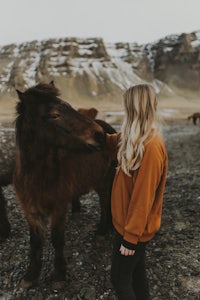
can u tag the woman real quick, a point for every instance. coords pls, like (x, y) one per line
(137, 192)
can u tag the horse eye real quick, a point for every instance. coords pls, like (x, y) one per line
(54, 116)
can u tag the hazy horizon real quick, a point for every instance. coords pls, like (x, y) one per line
(142, 21)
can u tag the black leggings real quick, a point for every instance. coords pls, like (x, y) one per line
(128, 273)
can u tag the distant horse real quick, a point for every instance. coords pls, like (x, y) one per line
(58, 158)
(194, 117)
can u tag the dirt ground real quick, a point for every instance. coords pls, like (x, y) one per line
(173, 256)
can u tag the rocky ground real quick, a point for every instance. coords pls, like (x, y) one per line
(173, 257)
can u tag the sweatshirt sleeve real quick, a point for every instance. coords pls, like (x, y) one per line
(144, 191)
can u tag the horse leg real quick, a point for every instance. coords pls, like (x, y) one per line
(76, 205)
(58, 241)
(4, 223)
(35, 263)
(194, 120)
(105, 223)
(105, 201)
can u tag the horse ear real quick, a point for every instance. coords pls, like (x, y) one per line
(52, 83)
(20, 94)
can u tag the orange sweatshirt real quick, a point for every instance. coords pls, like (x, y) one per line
(136, 201)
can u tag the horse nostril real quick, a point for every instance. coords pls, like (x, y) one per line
(100, 137)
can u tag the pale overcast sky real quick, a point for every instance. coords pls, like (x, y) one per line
(138, 21)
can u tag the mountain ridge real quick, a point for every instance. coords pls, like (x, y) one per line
(92, 69)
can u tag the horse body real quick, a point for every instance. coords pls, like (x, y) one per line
(46, 188)
(99, 177)
(195, 117)
(57, 149)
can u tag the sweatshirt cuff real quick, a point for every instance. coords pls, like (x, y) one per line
(130, 238)
(129, 245)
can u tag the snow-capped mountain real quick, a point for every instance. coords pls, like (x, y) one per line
(92, 68)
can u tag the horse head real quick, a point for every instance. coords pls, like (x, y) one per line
(44, 118)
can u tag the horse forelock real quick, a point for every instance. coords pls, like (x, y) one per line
(43, 89)
(42, 92)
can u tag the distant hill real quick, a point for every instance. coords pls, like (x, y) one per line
(92, 69)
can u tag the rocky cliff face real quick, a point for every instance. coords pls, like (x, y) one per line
(175, 60)
(90, 68)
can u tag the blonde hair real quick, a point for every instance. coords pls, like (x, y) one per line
(140, 122)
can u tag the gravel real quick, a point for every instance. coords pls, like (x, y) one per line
(173, 261)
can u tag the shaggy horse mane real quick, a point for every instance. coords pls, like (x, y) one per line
(43, 88)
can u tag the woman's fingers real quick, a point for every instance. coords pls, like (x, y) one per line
(125, 251)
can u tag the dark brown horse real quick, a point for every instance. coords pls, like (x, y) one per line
(5, 179)
(4, 224)
(58, 158)
(104, 193)
(105, 213)
(194, 117)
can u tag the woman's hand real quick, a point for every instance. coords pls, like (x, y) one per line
(125, 251)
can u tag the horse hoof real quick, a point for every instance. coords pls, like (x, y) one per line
(58, 285)
(24, 284)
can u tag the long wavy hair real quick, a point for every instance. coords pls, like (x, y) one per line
(140, 123)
